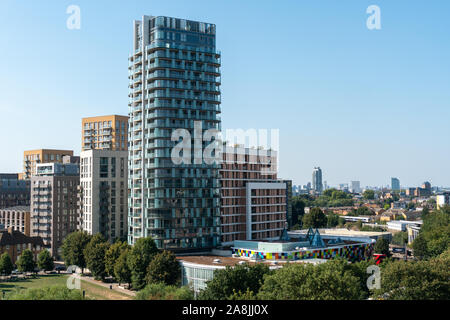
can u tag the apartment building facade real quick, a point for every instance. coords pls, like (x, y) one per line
(13, 191)
(254, 203)
(104, 133)
(33, 157)
(17, 218)
(174, 84)
(104, 200)
(54, 203)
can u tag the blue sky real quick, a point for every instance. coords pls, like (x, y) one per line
(361, 104)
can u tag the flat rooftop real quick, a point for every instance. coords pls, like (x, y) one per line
(232, 261)
(343, 232)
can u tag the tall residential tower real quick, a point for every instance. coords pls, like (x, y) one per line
(317, 180)
(174, 84)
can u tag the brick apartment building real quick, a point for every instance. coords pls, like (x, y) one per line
(254, 204)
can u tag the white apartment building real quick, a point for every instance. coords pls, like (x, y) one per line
(103, 179)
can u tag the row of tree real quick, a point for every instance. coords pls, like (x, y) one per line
(26, 262)
(333, 280)
(139, 265)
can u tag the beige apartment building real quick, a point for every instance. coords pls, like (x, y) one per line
(17, 218)
(104, 200)
(104, 133)
(254, 205)
(33, 157)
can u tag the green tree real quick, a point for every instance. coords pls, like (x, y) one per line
(229, 282)
(333, 220)
(26, 262)
(161, 291)
(298, 209)
(73, 248)
(332, 280)
(6, 265)
(112, 254)
(121, 271)
(165, 268)
(314, 219)
(382, 246)
(364, 211)
(139, 258)
(45, 261)
(415, 280)
(369, 194)
(94, 255)
(434, 237)
(420, 248)
(400, 238)
(247, 295)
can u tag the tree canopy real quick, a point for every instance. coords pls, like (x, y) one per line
(237, 280)
(6, 265)
(94, 255)
(165, 268)
(73, 248)
(314, 219)
(26, 261)
(332, 280)
(45, 261)
(139, 258)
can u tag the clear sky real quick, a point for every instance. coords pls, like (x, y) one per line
(361, 104)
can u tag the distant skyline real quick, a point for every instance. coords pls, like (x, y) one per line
(362, 104)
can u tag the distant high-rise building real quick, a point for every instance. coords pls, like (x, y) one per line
(395, 184)
(174, 81)
(105, 133)
(355, 187)
(54, 203)
(33, 157)
(317, 185)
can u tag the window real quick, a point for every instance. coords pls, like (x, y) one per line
(103, 167)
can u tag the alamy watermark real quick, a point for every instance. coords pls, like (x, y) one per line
(74, 280)
(374, 281)
(74, 20)
(374, 20)
(208, 146)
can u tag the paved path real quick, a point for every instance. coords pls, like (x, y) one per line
(115, 286)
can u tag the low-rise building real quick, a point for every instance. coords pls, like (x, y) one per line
(17, 218)
(401, 225)
(393, 214)
(14, 242)
(442, 200)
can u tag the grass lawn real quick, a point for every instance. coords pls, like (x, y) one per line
(40, 281)
(93, 291)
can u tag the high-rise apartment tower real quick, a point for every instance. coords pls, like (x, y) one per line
(174, 84)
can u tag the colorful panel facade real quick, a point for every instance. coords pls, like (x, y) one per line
(351, 252)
